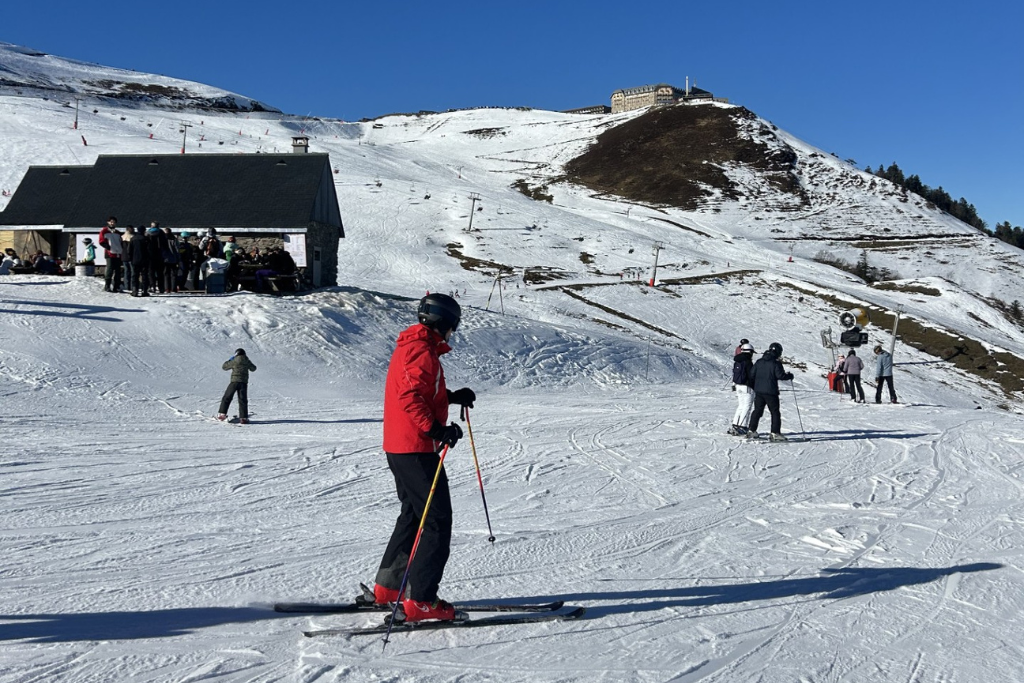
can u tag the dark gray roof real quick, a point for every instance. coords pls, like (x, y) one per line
(277, 192)
(46, 195)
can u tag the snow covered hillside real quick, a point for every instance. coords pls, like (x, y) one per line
(25, 72)
(144, 541)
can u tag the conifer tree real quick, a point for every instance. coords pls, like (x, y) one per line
(862, 269)
(895, 174)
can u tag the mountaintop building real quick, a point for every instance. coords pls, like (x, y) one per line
(656, 95)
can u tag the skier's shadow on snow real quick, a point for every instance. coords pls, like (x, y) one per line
(164, 623)
(833, 584)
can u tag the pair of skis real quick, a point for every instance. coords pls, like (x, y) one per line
(523, 614)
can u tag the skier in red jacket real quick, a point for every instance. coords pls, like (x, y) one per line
(415, 412)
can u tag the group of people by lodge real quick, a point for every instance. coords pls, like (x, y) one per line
(144, 260)
(155, 260)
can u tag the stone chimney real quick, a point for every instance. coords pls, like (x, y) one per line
(300, 144)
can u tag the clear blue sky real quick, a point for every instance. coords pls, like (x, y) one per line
(936, 86)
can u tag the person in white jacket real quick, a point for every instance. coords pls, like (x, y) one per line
(742, 366)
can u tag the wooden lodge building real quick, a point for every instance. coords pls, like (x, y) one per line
(267, 199)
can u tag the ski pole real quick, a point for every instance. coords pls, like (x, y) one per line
(803, 434)
(415, 545)
(472, 445)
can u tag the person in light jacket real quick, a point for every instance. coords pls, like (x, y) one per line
(240, 367)
(742, 369)
(852, 367)
(883, 374)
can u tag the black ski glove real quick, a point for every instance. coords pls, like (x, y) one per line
(788, 377)
(462, 397)
(449, 435)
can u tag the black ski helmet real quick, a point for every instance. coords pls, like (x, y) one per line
(439, 312)
(776, 348)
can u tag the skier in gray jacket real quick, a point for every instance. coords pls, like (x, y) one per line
(240, 367)
(883, 374)
(852, 366)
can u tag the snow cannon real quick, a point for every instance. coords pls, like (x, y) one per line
(855, 317)
(852, 320)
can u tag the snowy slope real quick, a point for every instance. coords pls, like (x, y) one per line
(25, 72)
(144, 541)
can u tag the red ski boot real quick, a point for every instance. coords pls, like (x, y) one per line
(437, 610)
(384, 596)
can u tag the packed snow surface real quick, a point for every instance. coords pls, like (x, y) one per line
(145, 541)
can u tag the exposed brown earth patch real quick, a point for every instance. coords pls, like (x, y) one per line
(672, 156)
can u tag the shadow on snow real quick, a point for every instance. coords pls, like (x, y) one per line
(165, 623)
(832, 584)
(80, 311)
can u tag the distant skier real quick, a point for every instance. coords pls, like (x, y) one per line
(883, 374)
(240, 367)
(764, 380)
(416, 404)
(742, 368)
(852, 367)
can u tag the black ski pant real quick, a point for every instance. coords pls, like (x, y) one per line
(140, 279)
(772, 402)
(854, 387)
(242, 389)
(112, 274)
(414, 475)
(196, 272)
(879, 381)
(129, 274)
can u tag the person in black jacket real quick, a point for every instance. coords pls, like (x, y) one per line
(156, 241)
(764, 380)
(138, 253)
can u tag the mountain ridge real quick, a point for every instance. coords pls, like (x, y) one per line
(404, 183)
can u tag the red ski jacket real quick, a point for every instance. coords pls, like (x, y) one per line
(415, 393)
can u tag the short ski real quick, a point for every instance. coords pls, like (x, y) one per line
(439, 625)
(346, 607)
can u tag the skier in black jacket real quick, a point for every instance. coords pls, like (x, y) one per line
(764, 380)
